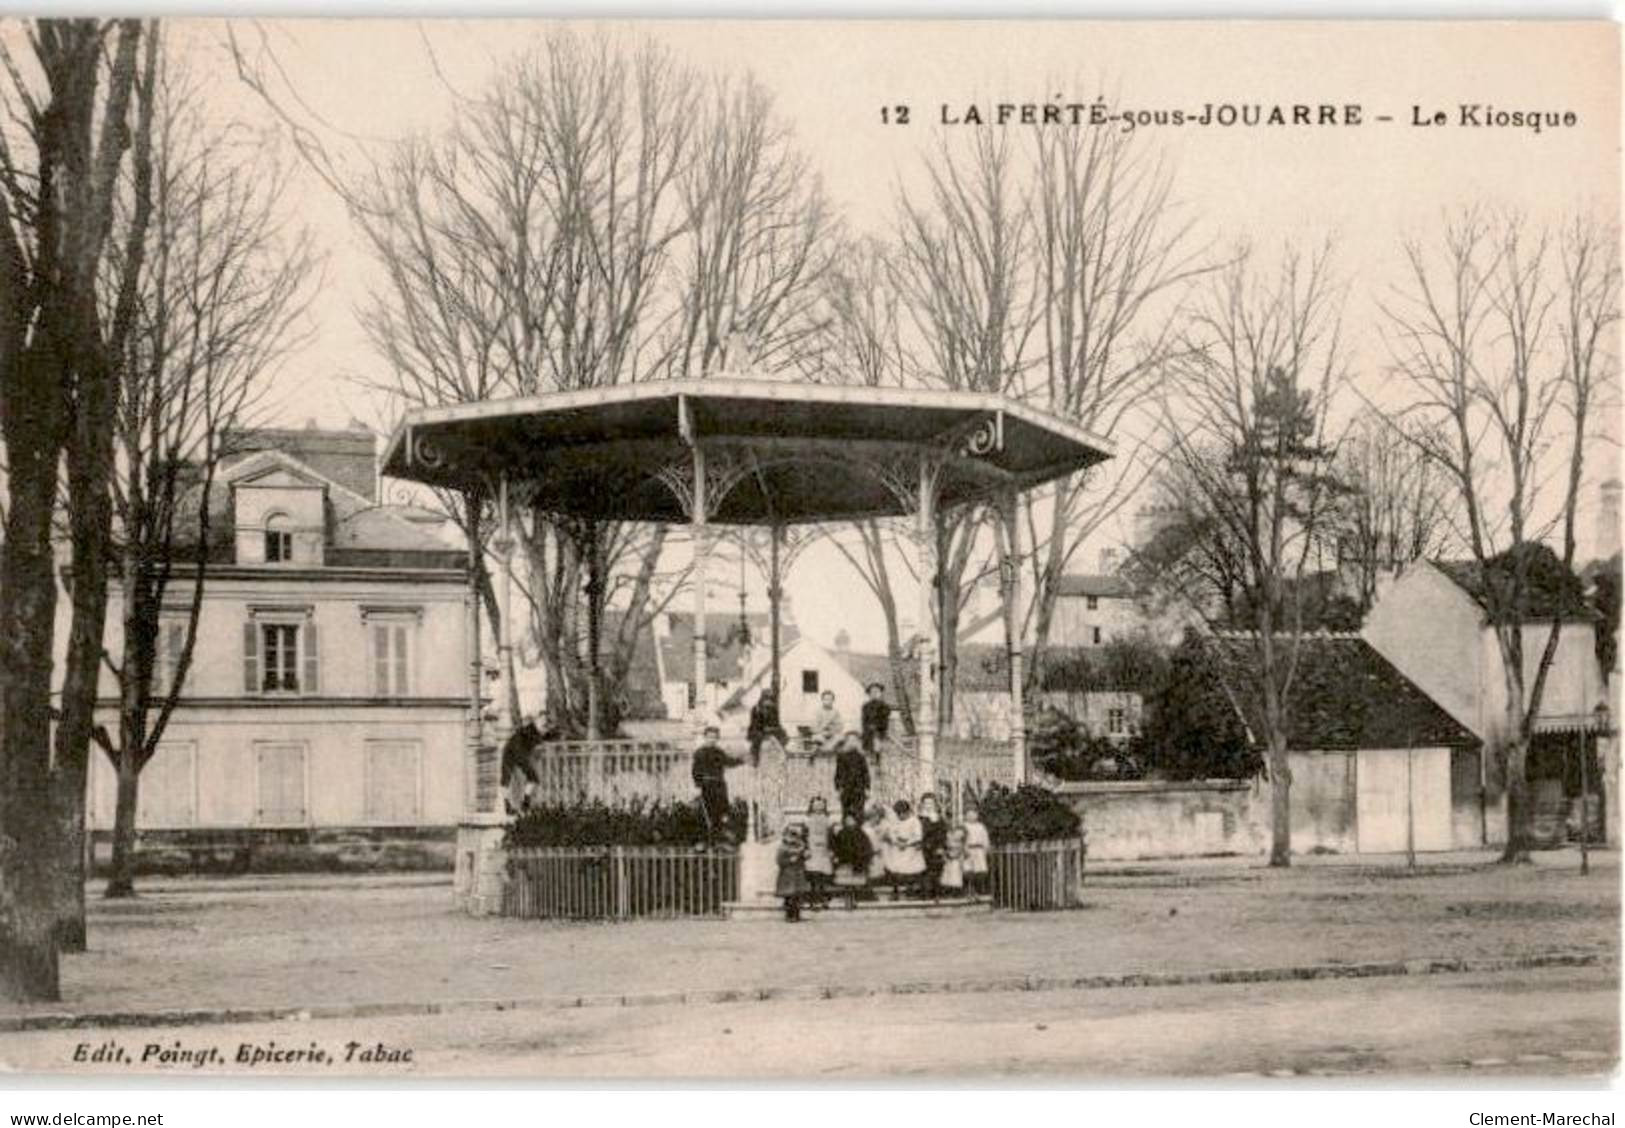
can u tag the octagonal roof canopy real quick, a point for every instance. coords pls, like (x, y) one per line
(774, 452)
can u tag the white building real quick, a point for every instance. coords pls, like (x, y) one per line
(1432, 625)
(325, 710)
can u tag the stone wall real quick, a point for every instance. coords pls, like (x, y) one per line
(368, 849)
(1214, 818)
(1135, 820)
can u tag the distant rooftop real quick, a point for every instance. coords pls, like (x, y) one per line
(1344, 695)
(1095, 584)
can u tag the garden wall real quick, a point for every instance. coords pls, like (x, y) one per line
(1133, 820)
(1208, 818)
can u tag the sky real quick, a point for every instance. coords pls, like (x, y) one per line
(362, 84)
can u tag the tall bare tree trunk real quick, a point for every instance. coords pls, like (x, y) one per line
(90, 519)
(1519, 812)
(1280, 802)
(28, 953)
(121, 880)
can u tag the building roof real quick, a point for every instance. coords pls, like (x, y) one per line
(869, 668)
(360, 532)
(1553, 590)
(724, 651)
(1098, 585)
(1345, 695)
(348, 457)
(777, 452)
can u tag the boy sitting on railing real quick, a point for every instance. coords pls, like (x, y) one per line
(827, 726)
(764, 724)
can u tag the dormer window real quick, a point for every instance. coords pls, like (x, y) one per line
(278, 539)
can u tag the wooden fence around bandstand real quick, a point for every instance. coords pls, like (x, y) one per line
(1030, 876)
(619, 882)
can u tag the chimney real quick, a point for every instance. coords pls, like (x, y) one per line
(1108, 560)
(843, 641)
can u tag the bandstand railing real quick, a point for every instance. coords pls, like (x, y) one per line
(618, 882)
(782, 781)
(613, 771)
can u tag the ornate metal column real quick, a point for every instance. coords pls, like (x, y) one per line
(775, 597)
(503, 544)
(930, 581)
(1010, 582)
(475, 736)
(699, 523)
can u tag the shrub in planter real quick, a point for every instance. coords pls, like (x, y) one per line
(635, 823)
(1027, 814)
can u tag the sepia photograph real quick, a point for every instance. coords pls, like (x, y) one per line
(903, 552)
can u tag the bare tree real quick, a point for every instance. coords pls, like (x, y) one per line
(90, 466)
(963, 268)
(1261, 361)
(1395, 510)
(756, 242)
(524, 251)
(860, 341)
(221, 297)
(1111, 259)
(1504, 336)
(1049, 273)
(597, 216)
(70, 96)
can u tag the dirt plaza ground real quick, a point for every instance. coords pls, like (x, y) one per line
(375, 942)
(1477, 1030)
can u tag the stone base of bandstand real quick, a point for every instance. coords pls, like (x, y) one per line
(481, 864)
(758, 870)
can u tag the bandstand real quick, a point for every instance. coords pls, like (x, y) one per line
(718, 453)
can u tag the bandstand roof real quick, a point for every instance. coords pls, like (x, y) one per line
(792, 453)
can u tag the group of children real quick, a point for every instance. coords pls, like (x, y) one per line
(920, 852)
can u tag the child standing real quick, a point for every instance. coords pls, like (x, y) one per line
(852, 854)
(820, 863)
(905, 861)
(933, 841)
(953, 863)
(874, 828)
(791, 883)
(976, 849)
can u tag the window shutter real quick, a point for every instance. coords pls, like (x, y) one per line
(312, 681)
(282, 783)
(380, 660)
(251, 658)
(403, 684)
(392, 782)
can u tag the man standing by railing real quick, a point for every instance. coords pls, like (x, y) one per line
(711, 766)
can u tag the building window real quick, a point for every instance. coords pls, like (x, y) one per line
(280, 656)
(281, 649)
(280, 783)
(1117, 721)
(278, 539)
(392, 791)
(391, 658)
(1093, 602)
(809, 681)
(1095, 634)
